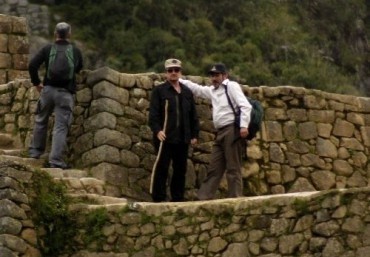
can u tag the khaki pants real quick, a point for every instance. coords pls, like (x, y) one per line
(226, 157)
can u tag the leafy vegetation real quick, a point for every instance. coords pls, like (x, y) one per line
(95, 222)
(311, 43)
(55, 224)
(301, 206)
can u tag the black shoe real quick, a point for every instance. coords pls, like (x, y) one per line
(55, 166)
(33, 156)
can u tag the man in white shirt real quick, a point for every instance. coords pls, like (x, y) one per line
(228, 145)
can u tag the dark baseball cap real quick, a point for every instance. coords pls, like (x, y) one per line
(218, 68)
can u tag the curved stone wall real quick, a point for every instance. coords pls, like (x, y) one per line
(311, 140)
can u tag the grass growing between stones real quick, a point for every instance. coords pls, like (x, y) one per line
(301, 206)
(95, 222)
(55, 225)
(347, 198)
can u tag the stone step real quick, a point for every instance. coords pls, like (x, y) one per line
(59, 173)
(12, 152)
(35, 163)
(87, 185)
(87, 207)
(94, 199)
(6, 141)
(77, 181)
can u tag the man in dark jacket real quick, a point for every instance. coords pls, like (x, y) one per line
(174, 122)
(56, 94)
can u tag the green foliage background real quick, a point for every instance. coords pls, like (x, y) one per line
(318, 44)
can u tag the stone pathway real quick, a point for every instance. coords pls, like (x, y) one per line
(79, 184)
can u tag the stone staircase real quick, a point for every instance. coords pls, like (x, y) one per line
(88, 190)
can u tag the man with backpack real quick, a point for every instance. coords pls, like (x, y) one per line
(228, 146)
(62, 61)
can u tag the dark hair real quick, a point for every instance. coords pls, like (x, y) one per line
(62, 29)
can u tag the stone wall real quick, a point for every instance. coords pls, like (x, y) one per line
(14, 48)
(17, 233)
(325, 224)
(311, 140)
(36, 15)
(311, 224)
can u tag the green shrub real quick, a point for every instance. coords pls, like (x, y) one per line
(55, 224)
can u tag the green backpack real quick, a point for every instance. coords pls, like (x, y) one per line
(61, 63)
(256, 116)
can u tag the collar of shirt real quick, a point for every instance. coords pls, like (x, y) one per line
(225, 82)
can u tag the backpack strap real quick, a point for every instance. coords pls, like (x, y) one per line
(71, 62)
(230, 103)
(52, 54)
(237, 123)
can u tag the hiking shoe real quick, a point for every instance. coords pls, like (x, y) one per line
(34, 156)
(55, 166)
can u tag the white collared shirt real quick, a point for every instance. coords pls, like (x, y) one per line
(222, 113)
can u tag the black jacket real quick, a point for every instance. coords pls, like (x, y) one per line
(189, 125)
(43, 57)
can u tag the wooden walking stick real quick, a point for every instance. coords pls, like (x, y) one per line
(160, 147)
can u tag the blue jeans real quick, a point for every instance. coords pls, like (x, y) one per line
(60, 102)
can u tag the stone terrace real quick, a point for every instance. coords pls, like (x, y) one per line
(307, 176)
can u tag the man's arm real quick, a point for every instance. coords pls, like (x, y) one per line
(198, 90)
(194, 125)
(155, 112)
(79, 60)
(35, 63)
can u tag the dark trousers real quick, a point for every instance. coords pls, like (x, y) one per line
(177, 153)
(226, 157)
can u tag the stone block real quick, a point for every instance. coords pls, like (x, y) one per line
(104, 73)
(101, 154)
(20, 61)
(5, 24)
(3, 76)
(5, 61)
(18, 44)
(109, 90)
(19, 25)
(3, 43)
(17, 74)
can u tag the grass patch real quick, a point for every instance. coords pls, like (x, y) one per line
(56, 226)
(95, 222)
(301, 206)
